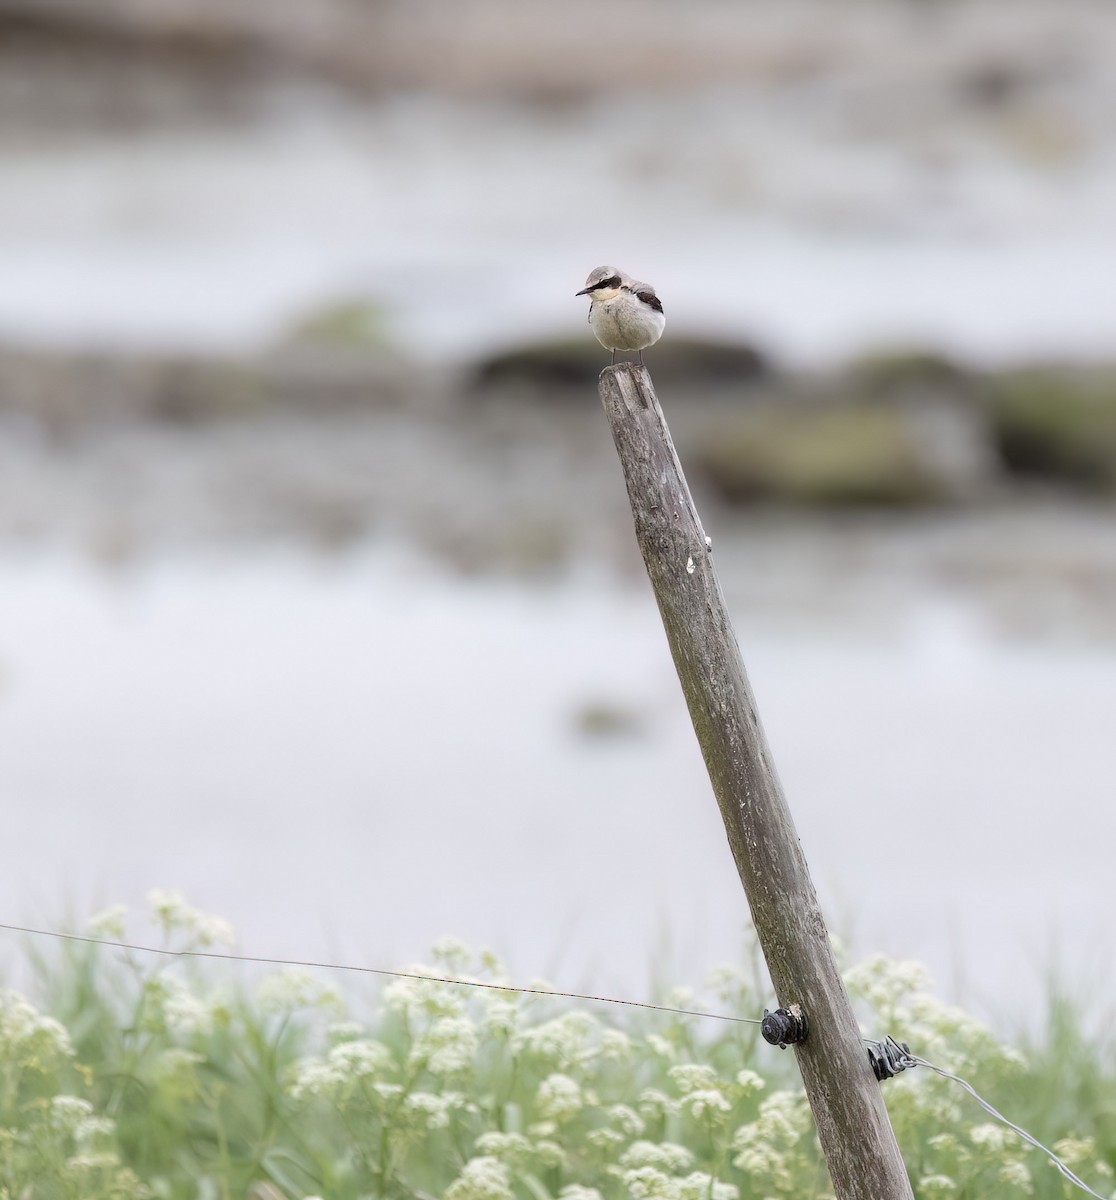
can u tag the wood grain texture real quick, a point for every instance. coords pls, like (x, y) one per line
(856, 1136)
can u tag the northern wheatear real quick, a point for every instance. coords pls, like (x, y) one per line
(625, 314)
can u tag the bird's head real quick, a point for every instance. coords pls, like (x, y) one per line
(603, 283)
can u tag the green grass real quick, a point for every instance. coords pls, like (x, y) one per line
(137, 1075)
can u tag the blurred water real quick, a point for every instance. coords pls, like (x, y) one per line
(350, 757)
(799, 217)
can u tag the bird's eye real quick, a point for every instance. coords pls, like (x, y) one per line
(613, 281)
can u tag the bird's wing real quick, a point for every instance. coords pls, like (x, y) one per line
(646, 293)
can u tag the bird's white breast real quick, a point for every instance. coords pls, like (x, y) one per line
(625, 323)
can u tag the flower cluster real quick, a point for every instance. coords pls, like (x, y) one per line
(291, 1089)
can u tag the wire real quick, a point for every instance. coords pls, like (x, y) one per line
(328, 966)
(1065, 1170)
(896, 1059)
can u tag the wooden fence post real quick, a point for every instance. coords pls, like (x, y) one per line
(855, 1133)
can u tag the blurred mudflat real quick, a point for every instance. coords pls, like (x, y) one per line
(354, 754)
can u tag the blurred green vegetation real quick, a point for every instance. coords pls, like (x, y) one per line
(1058, 424)
(846, 455)
(357, 323)
(154, 1076)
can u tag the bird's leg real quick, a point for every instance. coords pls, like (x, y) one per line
(641, 358)
(614, 358)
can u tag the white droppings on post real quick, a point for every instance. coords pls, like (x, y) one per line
(690, 565)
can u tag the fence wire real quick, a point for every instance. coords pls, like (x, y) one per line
(907, 1059)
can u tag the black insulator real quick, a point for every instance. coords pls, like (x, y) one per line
(889, 1057)
(785, 1026)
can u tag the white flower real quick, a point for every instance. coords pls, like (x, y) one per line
(314, 1078)
(888, 986)
(575, 1191)
(293, 988)
(452, 954)
(447, 1047)
(625, 1119)
(109, 923)
(564, 1041)
(660, 1046)
(705, 1100)
(483, 1178)
(415, 998)
(761, 1145)
(749, 1082)
(500, 1017)
(700, 1186)
(656, 1103)
(170, 910)
(994, 1137)
(94, 1132)
(1075, 1151)
(67, 1112)
(1016, 1174)
(28, 1038)
(785, 1114)
(757, 1158)
(359, 1059)
(608, 1141)
(936, 1185)
(689, 1077)
(434, 1110)
(184, 1012)
(104, 1160)
(559, 1097)
(550, 1154)
(698, 1084)
(615, 1045)
(664, 1156)
(511, 1148)
(646, 1183)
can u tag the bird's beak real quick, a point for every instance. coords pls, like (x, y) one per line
(585, 291)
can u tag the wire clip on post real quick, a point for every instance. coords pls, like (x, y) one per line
(889, 1057)
(785, 1026)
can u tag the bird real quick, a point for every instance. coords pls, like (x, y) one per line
(625, 314)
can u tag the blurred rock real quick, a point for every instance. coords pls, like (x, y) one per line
(559, 367)
(895, 428)
(70, 390)
(942, 410)
(906, 372)
(1058, 424)
(837, 454)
